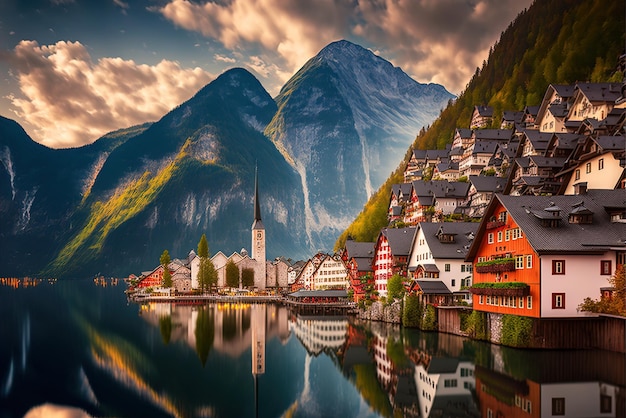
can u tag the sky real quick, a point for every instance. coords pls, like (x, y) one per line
(73, 70)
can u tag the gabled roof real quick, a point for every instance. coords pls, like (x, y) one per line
(402, 189)
(363, 263)
(463, 132)
(600, 92)
(566, 238)
(433, 287)
(426, 191)
(360, 249)
(484, 147)
(611, 143)
(485, 111)
(493, 134)
(548, 162)
(484, 184)
(463, 232)
(539, 140)
(399, 239)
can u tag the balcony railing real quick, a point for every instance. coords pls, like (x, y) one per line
(495, 224)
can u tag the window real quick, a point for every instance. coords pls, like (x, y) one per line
(502, 216)
(507, 235)
(606, 404)
(490, 238)
(605, 267)
(462, 268)
(529, 302)
(529, 261)
(453, 282)
(481, 299)
(499, 236)
(521, 302)
(600, 163)
(447, 267)
(519, 262)
(558, 406)
(577, 174)
(588, 168)
(558, 266)
(558, 301)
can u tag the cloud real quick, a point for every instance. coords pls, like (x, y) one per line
(70, 100)
(439, 41)
(289, 33)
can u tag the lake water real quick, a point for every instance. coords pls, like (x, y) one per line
(72, 349)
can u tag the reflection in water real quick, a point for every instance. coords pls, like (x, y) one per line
(84, 348)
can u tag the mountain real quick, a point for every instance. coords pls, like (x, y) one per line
(320, 147)
(549, 43)
(187, 174)
(341, 120)
(40, 189)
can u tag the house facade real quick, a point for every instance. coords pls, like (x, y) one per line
(438, 254)
(558, 249)
(391, 254)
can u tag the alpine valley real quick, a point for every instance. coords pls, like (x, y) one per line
(321, 148)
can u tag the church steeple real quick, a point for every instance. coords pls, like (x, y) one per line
(258, 238)
(257, 224)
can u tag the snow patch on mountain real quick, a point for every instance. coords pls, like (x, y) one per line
(7, 162)
(92, 174)
(27, 204)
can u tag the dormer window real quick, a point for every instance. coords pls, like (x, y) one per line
(580, 214)
(444, 237)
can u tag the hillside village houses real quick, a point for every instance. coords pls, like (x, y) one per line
(541, 198)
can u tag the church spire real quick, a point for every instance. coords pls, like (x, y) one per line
(257, 206)
(257, 224)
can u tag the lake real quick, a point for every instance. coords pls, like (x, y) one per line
(79, 348)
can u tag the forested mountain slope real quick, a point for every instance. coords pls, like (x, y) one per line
(549, 43)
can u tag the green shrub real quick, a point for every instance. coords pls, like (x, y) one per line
(476, 325)
(516, 331)
(430, 319)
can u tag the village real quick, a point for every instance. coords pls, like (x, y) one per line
(527, 218)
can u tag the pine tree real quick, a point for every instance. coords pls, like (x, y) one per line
(167, 276)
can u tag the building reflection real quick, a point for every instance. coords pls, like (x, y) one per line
(405, 372)
(319, 333)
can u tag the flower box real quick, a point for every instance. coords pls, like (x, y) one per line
(495, 224)
(501, 289)
(499, 265)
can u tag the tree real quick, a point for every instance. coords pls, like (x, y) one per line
(395, 287)
(167, 276)
(232, 274)
(616, 303)
(204, 270)
(203, 247)
(247, 277)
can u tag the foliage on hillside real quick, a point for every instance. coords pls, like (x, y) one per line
(550, 43)
(105, 217)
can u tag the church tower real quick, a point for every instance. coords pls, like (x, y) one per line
(258, 239)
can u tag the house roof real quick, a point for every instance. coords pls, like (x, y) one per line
(399, 239)
(548, 162)
(528, 212)
(363, 263)
(486, 111)
(493, 134)
(600, 92)
(433, 287)
(484, 147)
(463, 232)
(611, 143)
(426, 190)
(484, 184)
(360, 249)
